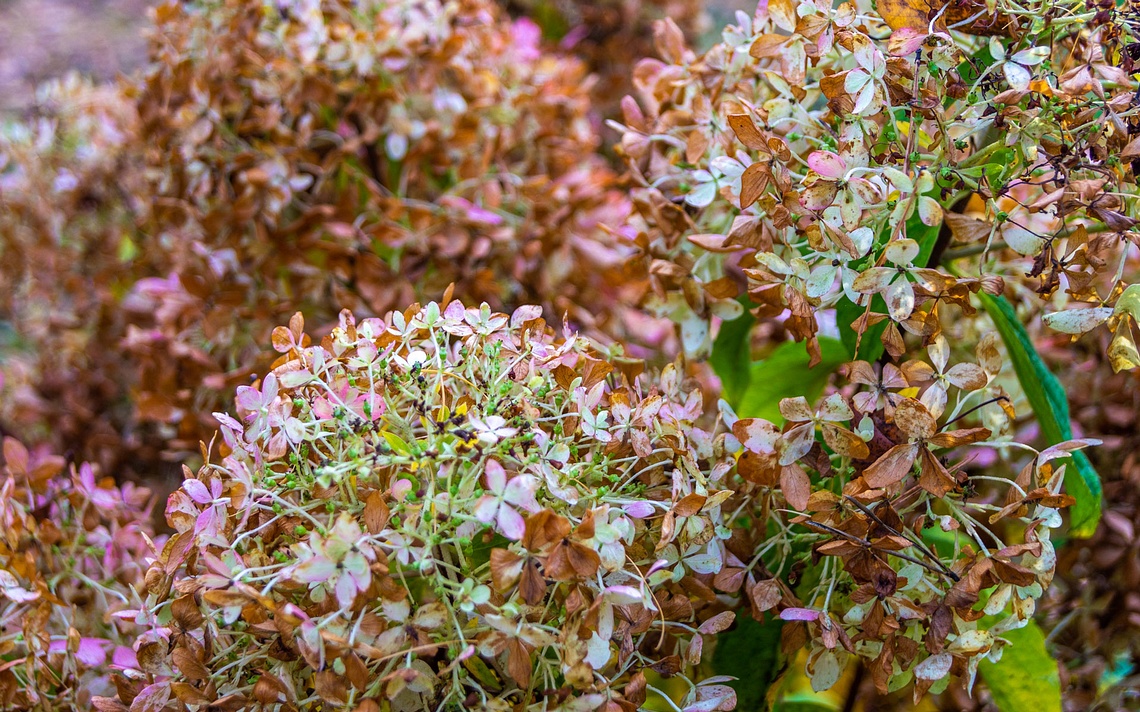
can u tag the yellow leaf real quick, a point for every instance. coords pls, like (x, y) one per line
(1122, 352)
(917, 14)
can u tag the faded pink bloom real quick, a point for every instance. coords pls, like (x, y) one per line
(498, 505)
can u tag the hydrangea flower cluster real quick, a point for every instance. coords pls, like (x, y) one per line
(881, 165)
(72, 546)
(610, 36)
(296, 155)
(359, 157)
(900, 556)
(69, 188)
(863, 177)
(446, 508)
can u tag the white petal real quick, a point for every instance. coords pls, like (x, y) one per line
(821, 280)
(1077, 321)
(935, 667)
(855, 80)
(1022, 241)
(1017, 76)
(866, 96)
(902, 252)
(702, 195)
(900, 299)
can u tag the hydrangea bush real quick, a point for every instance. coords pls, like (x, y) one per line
(69, 194)
(447, 508)
(874, 182)
(868, 218)
(72, 547)
(883, 165)
(316, 155)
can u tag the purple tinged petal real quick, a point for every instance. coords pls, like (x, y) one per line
(496, 477)
(248, 398)
(124, 658)
(485, 508)
(511, 523)
(799, 614)
(520, 492)
(92, 652)
(638, 510)
(197, 491)
(269, 388)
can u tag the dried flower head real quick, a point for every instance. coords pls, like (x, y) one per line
(448, 507)
(72, 544)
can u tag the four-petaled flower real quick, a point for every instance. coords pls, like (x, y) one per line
(895, 282)
(338, 561)
(257, 405)
(492, 429)
(966, 376)
(797, 441)
(498, 504)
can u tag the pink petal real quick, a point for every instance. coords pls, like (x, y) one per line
(92, 651)
(315, 570)
(511, 523)
(638, 510)
(197, 491)
(496, 477)
(520, 492)
(827, 164)
(799, 614)
(485, 508)
(345, 590)
(124, 658)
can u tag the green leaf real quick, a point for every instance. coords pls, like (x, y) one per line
(1026, 676)
(1047, 398)
(871, 344)
(750, 652)
(785, 374)
(804, 702)
(732, 355)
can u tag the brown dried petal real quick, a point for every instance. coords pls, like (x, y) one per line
(892, 467)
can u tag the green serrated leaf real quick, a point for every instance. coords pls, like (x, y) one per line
(750, 652)
(1050, 405)
(871, 344)
(732, 356)
(785, 374)
(1026, 676)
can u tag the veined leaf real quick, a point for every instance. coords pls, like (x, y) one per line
(785, 374)
(732, 356)
(1026, 676)
(1047, 398)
